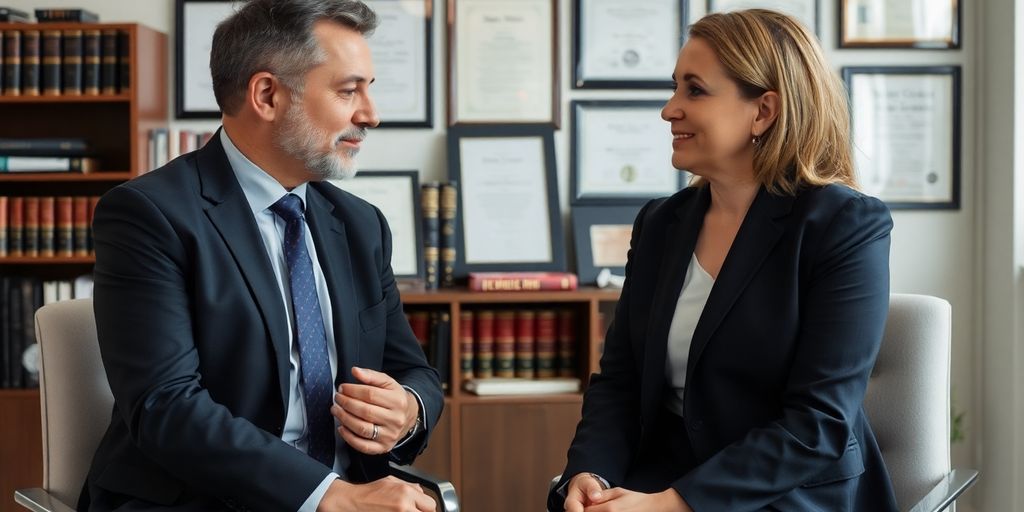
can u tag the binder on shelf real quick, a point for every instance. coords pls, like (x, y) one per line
(507, 387)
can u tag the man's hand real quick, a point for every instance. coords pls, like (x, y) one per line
(584, 490)
(623, 500)
(376, 414)
(385, 495)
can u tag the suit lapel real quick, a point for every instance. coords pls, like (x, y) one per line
(331, 241)
(230, 214)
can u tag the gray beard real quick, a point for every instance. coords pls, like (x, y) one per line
(301, 140)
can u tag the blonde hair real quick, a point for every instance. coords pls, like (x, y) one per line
(763, 50)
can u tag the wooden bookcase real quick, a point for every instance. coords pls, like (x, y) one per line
(116, 129)
(501, 452)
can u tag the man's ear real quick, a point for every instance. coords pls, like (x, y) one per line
(768, 107)
(265, 96)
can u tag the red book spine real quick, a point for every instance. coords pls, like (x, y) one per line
(30, 236)
(65, 247)
(521, 281)
(16, 221)
(484, 341)
(3, 229)
(80, 225)
(420, 323)
(547, 326)
(505, 344)
(466, 344)
(46, 227)
(566, 343)
(525, 344)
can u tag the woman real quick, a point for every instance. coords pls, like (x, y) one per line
(754, 302)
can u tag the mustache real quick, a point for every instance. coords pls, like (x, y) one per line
(357, 134)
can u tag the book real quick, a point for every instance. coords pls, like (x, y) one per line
(15, 332)
(43, 147)
(3, 230)
(12, 63)
(62, 15)
(124, 62)
(2, 67)
(93, 201)
(419, 321)
(47, 209)
(521, 281)
(91, 62)
(82, 287)
(5, 332)
(447, 213)
(526, 343)
(12, 15)
(51, 62)
(108, 61)
(483, 343)
(15, 225)
(440, 346)
(47, 164)
(63, 239)
(547, 348)
(566, 342)
(30, 235)
(429, 203)
(80, 225)
(71, 63)
(30, 62)
(505, 387)
(466, 344)
(505, 344)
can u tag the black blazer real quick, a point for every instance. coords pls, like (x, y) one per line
(194, 339)
(779, 361)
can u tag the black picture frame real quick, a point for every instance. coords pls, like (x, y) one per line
(428, 80)
(951, 199)
(584, 219)
(576, 168)
(846, 40)
(748, 4)
(411, 226)
(580, 81)
(183, 61)
(458, 172)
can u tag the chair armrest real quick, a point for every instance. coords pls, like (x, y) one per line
(442, 491)
(946, 491)
(38, 500)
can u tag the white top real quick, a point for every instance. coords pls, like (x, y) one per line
(696, 288)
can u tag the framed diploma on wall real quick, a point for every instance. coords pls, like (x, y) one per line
(601, 235)
(503, 62)
(621, 153)
(899, 24)
(397, 195)
(194, 24)
(627, 45)
(508, 215)
(401, 48)
(804, 10)
(906, 134)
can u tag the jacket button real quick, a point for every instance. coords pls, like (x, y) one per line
(696, 425)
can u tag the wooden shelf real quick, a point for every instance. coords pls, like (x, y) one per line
(558, 398)
(8, 393)
(101, 98)
(57, 260)
(65, 176)
(417, 295)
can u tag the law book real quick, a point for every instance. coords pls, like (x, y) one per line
(16, 226)
(419, 321)
(506, 387)
(3, 228)
(521, 281)
(466, 344)
(12, 63)
(30, 234)
(30, 48)
(2, 67)
(124, 62)
(83, 164)
(71, 63)
(80, 225)
(483, 344)
(547, 344)
(566, 343)
(526, 342)
(12, 15)
(51, 69)
(505, 344)
(93, 201)
(5, 332)
(47, 247)
(440, 346)
(65, 15)
(91, 62)
(16, 331)
(43, 147)
(108, 61)
(429, 202)
(447, 213)
(65, 227)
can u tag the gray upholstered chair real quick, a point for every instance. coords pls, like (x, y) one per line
(76, 402)
(907, 404)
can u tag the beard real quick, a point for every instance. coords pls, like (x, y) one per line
(303, 141)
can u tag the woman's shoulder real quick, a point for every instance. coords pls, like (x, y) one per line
(835, 198)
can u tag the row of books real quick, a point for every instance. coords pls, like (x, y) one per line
(166, 144)
(439, 202)
(20, 297)
(12, 15)
(37, 61)
(46, 227)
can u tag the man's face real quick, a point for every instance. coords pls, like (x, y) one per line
(324, 125)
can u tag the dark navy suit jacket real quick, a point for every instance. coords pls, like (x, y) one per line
(194, 338)
(779, 361)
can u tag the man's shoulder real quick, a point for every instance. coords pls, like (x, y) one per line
(175, 180)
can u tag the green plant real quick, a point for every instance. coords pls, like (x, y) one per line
(956, 431)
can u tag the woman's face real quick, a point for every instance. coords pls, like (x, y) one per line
(712, 124)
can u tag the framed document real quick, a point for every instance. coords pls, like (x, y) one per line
(602, 234)
(621, 153)
(906, 134)
(401, 48)
(503, 62)
(899, 24)
(194, 24)
(627, 45)
(509, 217)
(804, 10)
(397, 195)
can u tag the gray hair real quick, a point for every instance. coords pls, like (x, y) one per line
(276, 36)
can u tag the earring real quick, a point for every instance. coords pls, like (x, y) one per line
(755, 140)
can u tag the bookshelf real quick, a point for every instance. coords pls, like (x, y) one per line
(116, 129)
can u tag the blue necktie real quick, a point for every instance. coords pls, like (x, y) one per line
(317, 385)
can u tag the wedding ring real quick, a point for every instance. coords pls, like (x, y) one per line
(376, 432)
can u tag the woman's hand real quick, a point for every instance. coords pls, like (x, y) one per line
(623, 500)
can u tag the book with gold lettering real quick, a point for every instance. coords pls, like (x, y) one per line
(522, 281)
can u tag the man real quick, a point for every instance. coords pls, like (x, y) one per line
(247, 313)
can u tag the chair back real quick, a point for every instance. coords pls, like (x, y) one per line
(74, 395)
(907, 401)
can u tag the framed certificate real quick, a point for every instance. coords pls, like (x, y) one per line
(627, 45)
(401, 48)
(503, 62)
(906, 134)
(194, 24)
(508, 217)
(621, 153)
(601, 235)
(397, 195)
(899, 24)
(804, 10)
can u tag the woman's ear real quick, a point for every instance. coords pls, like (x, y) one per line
(768, 107)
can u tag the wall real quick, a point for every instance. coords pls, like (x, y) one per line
(933, 251)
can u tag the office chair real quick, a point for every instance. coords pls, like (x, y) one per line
(907, 404)
(73, 387)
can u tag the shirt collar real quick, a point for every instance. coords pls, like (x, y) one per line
(261, 189)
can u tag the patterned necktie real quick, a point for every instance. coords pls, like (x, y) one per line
(317, 385)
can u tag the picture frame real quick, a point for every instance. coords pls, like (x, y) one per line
(894, 24)
(621, 153)
(906, 130)
(601, 235)
(509, 217)
(402, 48)
(194, 24)
(397, 195)
(633, 45)
(807, 11)
(503, 64)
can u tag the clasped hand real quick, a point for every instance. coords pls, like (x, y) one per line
(376, 414)
(586, 494)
